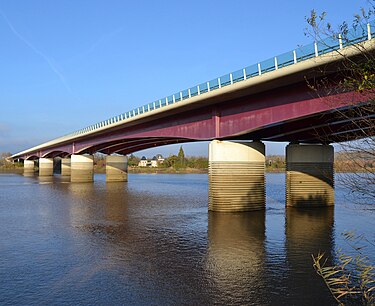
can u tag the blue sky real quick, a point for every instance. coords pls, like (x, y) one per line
(67, 64)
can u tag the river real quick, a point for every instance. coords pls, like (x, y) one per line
(151, 241)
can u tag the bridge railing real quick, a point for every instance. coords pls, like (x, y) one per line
(302, 53)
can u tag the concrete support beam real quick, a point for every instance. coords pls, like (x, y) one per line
(309, 175)
(236, 176)
(116, 168)
(65, 166)
(45, 166)
(82, 168)
(28, 167)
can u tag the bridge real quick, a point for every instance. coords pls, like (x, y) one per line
(267, 101)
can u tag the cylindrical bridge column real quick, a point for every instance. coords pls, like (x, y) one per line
(65, 166)
(309, 175)
(82, 168)
(116, 168)
(28, 167)
(236, 176)
(45, 166)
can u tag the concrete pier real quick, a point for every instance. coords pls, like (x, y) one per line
(236, 176)
(65, 167)
(82, 168)
(116, 168)
(309, 175)
(45, 166)
(28, 167)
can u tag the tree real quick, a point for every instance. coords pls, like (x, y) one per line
(352, 279)
(133, 160)
(357, 142)
(181, 161)
(170, 161)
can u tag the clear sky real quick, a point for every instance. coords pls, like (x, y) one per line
(67, 64)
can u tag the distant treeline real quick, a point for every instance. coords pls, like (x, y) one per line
(344, 162)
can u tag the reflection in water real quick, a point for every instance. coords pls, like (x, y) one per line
(116, 201)
(28, 172)
(45, 179)
(151, 242)
(308, 231)
(236, 255)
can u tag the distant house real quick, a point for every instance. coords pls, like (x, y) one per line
(154, 162)
(160, 158)
(143, 162)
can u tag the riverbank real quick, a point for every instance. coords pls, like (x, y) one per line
(160, 170)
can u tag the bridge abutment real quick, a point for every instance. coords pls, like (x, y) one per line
(309, 175)
(65, 167)
(236, 176)
(116, 168)
(45, 166)
(82, 168)
(28, 167)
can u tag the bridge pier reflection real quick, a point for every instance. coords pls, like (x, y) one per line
(236, 176)
(309, 175)
(236, 255)
(308, 232)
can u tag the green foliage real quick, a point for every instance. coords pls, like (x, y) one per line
(6, 163)
(170, 161)
(182, 162)
(133, 160)
(197, 162)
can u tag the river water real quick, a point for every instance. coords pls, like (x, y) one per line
(151, 241)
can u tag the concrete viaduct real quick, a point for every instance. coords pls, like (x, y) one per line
(271, 101)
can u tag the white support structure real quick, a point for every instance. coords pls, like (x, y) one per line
(295, 56)
(45, 166)
(231, 78)
(276, 64)
(28, 167)
(309, 175)
(219, 82)
(244, 73)
(259, 69)
(236, 176)
(189, 93)
(208, 87)
(116, 168)
(65, 167)
(316, 49)
(82, 168)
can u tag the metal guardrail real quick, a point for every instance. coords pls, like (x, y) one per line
(289, 58)
(329, 44)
